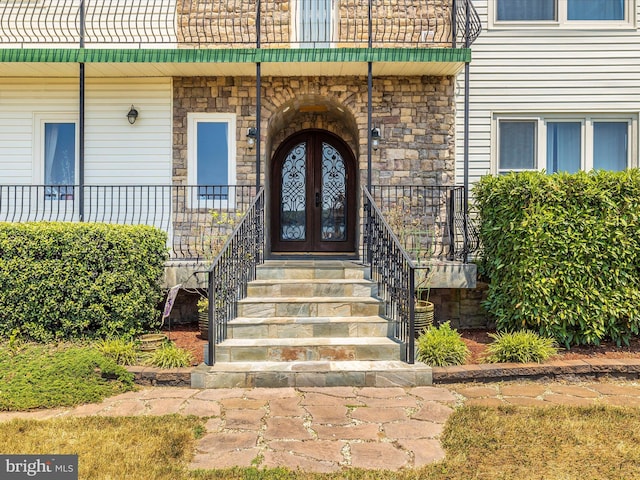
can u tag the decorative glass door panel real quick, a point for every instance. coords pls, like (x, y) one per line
(313, 195)
(293, 199)
(334, 193)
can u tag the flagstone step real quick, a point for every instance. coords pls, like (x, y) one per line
(307, 349)
(301, 327)
(308, 306)
(314, 287)
(311, 374)
(309, 269)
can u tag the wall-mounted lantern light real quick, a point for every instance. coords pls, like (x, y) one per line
(375, 138)
(132, 116)
(252, 134)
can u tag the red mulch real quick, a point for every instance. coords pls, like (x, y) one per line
(188, 337)
(477, 340)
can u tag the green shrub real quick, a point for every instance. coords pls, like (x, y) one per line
(170, 356)
(520, 347)
(562, 253)
(442, 346)
(122, 351)
(40, 376)
(71, 280)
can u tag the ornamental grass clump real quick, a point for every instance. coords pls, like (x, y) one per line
(170, 356)
(122, 351)
(442, 346)
(521, 347)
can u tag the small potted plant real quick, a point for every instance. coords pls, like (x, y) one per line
(203, 317)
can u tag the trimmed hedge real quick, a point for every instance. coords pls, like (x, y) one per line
(562, 253)
(73, 280)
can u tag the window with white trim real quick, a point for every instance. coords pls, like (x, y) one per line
(558, 143)
(314, 24)
(211, 157)
(56, 154)
(563, 13)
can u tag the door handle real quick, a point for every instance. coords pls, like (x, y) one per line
(317, 199)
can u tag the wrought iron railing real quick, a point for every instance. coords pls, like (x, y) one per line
(240, 23)
(394, 272)
(429, 221)
(197, 219)
(232, 270)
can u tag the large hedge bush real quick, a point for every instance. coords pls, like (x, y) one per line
(562, 253)
(71, 280)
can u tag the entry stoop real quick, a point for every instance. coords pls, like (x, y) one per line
(309, 324)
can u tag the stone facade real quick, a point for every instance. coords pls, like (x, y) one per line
(416, 116)
(395, 23)
(462, 307)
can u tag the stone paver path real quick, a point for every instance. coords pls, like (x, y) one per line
(326, 429)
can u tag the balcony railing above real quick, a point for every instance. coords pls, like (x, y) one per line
(239, 23)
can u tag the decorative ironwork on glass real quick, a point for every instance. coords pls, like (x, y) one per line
(334, 194)
(293, 202)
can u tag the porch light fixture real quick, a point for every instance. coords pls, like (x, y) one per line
(132, 116)
(252, 134)
(375, 138)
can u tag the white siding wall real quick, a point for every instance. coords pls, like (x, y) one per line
(544, 70)
(116, 153)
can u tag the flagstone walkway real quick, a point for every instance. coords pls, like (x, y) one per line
(325, 429)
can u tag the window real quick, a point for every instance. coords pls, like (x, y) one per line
(211, 155)
(564, 13)
(55, 163)
(314, 23)
(564, 144)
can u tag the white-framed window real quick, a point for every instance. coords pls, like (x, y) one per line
(565, 143)
(211, 156)
(313, 23)
(55, 163)
(563, 13)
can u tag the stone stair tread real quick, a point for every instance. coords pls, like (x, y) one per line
(305, 320)
(305, 342)
(279, 281)
(253, 300)
(316, 366)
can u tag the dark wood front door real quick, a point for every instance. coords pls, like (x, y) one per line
(313, 195)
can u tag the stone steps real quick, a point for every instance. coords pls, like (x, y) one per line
(310, 323)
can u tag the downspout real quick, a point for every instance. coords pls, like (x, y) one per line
(465, 206)
(81, 123)
(369, 100)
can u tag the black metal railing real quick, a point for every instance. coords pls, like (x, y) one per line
(232, 270)
(197, 219)
(224, 23)
(394, 272)
(429, 221)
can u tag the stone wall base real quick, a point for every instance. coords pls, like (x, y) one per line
(462, 307)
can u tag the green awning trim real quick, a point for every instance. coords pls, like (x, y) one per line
(239, 55)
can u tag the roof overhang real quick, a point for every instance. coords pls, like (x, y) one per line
(52, 62)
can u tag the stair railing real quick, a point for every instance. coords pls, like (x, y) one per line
(232, 270)
(394, 272)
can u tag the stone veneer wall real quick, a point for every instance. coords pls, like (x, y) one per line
(462, 307)
(416, 116)
(395, 23)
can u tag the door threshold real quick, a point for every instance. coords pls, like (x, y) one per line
(312, 256)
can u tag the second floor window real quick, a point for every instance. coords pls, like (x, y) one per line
(314, 23)
(564, 144)
(561, 11)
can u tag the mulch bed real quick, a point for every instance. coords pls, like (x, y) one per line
(188, 337)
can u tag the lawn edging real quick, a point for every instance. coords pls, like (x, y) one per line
(161, 377)
(624, 368)
(588, 369)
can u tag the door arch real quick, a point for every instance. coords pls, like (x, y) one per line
(313, 195)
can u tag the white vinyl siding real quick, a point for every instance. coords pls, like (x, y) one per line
(116, 153)
(528, 71)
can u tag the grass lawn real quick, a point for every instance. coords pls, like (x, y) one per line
(481, 443)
